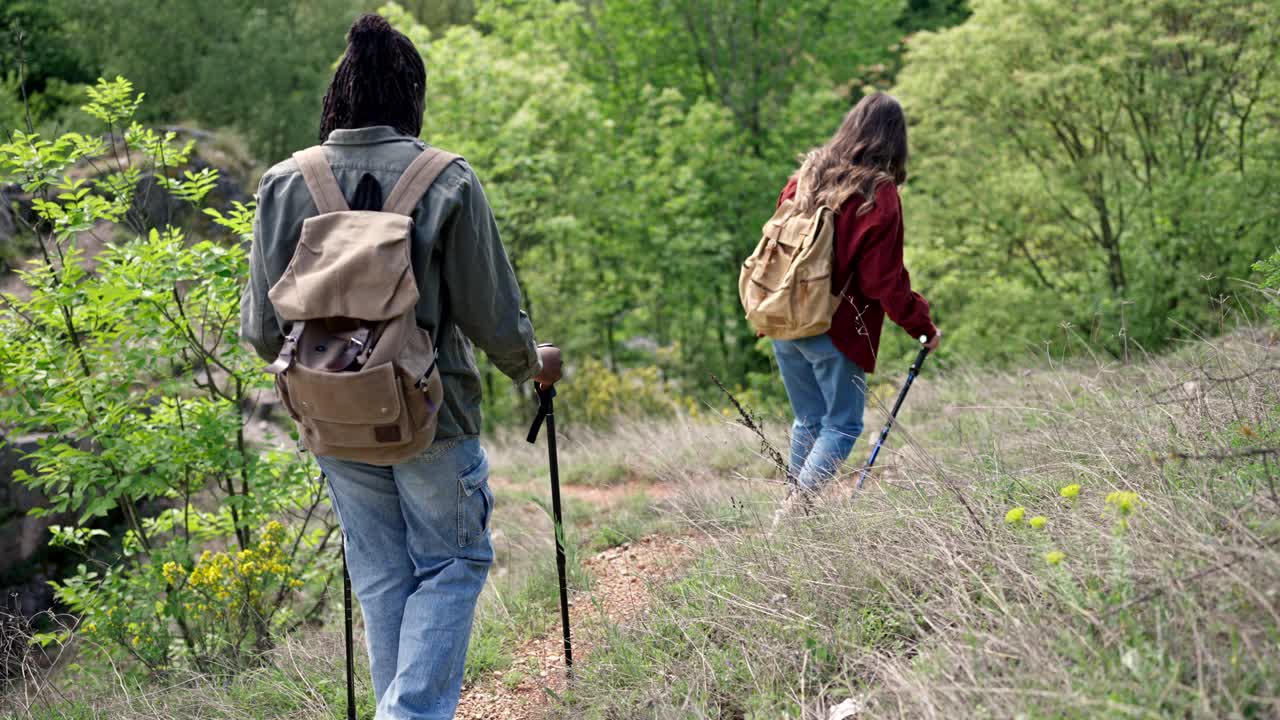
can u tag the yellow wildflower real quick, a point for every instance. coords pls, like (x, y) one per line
(1015, 515)
(1053, 557)
(1038, 521)
(136, 640)
(1070, 491)
(273, 532)
(1123, 501)
(172, 572)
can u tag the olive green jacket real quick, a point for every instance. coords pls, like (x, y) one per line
(468, 289)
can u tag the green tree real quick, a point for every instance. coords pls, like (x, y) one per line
(257, 67)
(441, 14)
(36, 35)
(1112, 157)
(748, 56)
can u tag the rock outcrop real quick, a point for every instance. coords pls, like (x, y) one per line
(26, 564)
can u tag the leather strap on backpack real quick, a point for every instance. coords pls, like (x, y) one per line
(318, 175)
(289, 351)
(416, 180)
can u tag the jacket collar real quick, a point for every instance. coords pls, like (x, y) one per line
(366, 136)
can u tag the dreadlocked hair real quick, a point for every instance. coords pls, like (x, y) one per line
(381, 80)
(868, 150)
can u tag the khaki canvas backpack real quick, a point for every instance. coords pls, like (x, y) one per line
(356, 372)
(786, 284)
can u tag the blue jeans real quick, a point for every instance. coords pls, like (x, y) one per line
(418, 550)
(828, 393)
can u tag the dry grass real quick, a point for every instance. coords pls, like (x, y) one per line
(916, 599)
(301, 679)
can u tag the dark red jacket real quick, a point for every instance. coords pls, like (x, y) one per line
(869, 263)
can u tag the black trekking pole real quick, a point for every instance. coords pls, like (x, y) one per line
(902, 395)
(347, 633)
(546, 411)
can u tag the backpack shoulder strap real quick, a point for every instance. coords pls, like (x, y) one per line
(320, 180)
(417, 179)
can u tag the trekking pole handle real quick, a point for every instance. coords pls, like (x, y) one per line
(545, 408)
(920, 356)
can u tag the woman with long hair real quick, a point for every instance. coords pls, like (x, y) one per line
(857, 174)
(417, 532)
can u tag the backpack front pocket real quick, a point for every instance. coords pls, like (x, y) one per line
(362, 409)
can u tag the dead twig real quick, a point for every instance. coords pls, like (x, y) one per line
(749, 421)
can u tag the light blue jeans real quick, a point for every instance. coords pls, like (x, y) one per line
(828, 393)
(418, 550)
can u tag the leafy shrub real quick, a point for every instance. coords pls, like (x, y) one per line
(126, 363)
(597, 395)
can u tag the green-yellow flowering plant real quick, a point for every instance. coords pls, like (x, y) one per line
(1123, 502)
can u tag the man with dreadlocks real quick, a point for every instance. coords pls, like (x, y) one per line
(417, 532)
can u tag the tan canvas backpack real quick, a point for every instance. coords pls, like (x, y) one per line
(356, 372)
(786, 284)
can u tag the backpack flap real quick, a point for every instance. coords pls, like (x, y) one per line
(351, 264)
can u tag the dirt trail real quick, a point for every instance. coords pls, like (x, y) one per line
(623, 578)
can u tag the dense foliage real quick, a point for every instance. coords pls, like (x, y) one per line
(1117, 188)
(121, 355)
(1113, 165)
(1104, 167)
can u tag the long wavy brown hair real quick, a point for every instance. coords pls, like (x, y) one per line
(869, 149)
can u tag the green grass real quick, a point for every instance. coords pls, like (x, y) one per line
(917, 599)
(629, 520)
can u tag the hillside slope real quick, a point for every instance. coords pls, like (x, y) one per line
(1093, 539)
(1088, 540)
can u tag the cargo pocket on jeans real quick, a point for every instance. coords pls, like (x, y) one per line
(475, 500)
